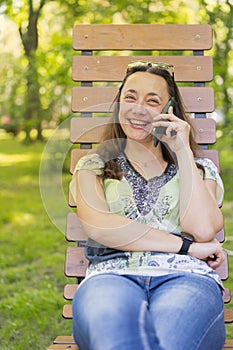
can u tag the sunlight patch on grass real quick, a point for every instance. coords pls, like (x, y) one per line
(27, 179)
(4, 135)
(22, 219)
(11, 159)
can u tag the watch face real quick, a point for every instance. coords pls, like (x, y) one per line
(187, 236)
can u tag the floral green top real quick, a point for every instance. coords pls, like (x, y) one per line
(154, 202)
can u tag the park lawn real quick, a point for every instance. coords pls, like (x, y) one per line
(33, 250)
(32, 255)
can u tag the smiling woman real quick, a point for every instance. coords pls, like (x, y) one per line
(138, 106)
(151, 213)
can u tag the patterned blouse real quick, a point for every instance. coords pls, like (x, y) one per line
(154, 202)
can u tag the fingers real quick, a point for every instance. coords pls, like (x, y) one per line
(215, 260)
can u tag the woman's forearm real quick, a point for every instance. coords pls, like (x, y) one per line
(114, 230)
(199, 212)
(121, 233)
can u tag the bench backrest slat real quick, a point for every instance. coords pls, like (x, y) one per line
(98, 99)
(90, 130)
(112, 69)
(142, 37)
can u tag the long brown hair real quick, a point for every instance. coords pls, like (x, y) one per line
(114, 138)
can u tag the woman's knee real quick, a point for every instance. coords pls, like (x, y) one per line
(184, 311)
(106, 294)
(108, 308)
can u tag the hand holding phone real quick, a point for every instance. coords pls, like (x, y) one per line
(161, 130)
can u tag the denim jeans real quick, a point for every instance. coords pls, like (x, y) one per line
(182, 311)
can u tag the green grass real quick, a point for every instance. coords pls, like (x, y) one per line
(33, 250)
(32, 255)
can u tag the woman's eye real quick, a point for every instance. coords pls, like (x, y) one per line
(129, 98)
(153, 102)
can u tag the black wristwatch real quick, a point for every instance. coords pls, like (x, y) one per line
(187, 241)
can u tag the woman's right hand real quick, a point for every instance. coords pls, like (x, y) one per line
(211, 252)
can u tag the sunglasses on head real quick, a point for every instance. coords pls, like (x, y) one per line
(147, 64)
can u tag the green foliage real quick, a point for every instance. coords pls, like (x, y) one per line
(220, 15)
(50, 72)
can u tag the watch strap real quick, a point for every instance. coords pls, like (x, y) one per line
(187, 241)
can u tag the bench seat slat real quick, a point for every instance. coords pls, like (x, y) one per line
(69, 340)
(70, 289)
(64, 339)
(75, 232)
(76, 263)
(63, 346)
(142, 37)
(100, 99)
(90, 130)
(112, 68)
(228, 313)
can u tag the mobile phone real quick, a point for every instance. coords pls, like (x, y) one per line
(161, 130)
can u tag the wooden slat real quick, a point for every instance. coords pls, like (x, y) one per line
(228, 344)
(70, 340)
(90, 130)
(67, 342)
(77, 153)
(63, 347)
(100, 99)
(222, 270)
(227, 295)
(212, 154)
(74, 230)
(205, 130)
(67, 311)
(228, 313)
(70, 289)
(64, 339)
(113, 68)
(221, 236)
(75, 233)
(76, 263)
(142, 37)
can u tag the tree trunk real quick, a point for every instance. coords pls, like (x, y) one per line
(33, 110)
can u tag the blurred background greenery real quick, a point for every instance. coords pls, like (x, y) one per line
(35, 89)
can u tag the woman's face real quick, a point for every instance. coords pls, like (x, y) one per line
(143, 96)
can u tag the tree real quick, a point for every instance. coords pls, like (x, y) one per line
(42, 74)
(220, 15)
(36, 107)
(29, 37)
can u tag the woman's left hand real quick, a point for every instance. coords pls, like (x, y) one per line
(211, 252)
(173, 123)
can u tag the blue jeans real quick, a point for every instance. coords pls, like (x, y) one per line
(182, 311)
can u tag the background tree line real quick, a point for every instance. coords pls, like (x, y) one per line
(36, 83)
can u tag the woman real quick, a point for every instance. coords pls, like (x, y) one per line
(150, 210)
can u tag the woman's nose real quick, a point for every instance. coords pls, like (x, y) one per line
(139, 108)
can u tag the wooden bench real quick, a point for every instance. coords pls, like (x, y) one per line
(104, 51)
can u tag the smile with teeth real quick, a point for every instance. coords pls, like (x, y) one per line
(137, 122)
